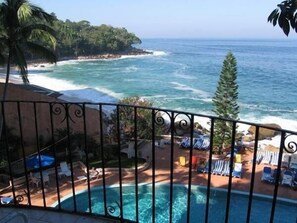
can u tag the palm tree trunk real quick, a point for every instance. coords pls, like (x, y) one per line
(7, 77)
(5, 91)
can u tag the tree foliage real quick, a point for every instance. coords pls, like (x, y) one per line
(24, 30)
(128, 114)
(225, 102)
(285, 16)
(81, 39)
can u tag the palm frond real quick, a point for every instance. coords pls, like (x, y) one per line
(42, 51)
(24, 12)
(38, 12)
(45, 37)
(28, 29)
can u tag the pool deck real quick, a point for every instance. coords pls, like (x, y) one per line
(162, 175)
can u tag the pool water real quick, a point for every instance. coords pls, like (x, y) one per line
(261, 207)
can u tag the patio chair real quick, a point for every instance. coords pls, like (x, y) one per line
(267, 175)
(34, 180)
(237, 170)
(218, 167)
(287, 178)
(274, 158)
(64, 170)
(45, 179)
(286, 160)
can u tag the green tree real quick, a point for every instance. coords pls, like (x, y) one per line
(24, 29)
(285, 15)
(127, 117)
(225, 103)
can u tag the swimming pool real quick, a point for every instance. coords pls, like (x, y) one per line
(261, 207)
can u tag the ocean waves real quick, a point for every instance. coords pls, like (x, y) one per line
(183, 75)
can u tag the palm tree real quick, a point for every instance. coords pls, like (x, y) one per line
(285, 15)
(23, 28)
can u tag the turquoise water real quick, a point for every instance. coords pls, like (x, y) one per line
(284, 213)
(182, 74)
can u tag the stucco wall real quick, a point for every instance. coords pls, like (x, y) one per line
(35, 118)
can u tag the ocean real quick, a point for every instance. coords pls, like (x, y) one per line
(182, 74)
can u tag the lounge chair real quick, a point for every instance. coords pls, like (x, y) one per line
(267, 175)
(65, 171)
(286, 160)
(205, 168)
(237, 170)
(294, 183)
(259, 157)
(266, 157)
(94, 173)
(293, 163)
(274, 158)
(218, 167)
(287, 178)
(206, 143)
(198, 142)
(226, 170)
(185, 143)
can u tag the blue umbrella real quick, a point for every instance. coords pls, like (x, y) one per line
(33, 162)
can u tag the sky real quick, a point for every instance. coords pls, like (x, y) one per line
(174, 18)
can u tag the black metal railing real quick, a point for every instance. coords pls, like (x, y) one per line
(135, 151)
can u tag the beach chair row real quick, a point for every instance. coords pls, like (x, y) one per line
(199, 143)
(288, 176)
(271, 158)
(222, 167)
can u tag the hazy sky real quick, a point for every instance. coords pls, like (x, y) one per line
(174, 18)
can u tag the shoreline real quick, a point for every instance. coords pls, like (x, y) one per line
(103, 56)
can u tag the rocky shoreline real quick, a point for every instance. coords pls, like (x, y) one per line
(103, 56)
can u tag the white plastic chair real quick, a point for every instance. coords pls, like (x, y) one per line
(34, 180)
(64, 170)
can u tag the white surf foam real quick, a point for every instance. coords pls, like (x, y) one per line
(71, 90)
(130, 69)
(183, 87)
(158, 53)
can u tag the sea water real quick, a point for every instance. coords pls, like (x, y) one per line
(182, 74)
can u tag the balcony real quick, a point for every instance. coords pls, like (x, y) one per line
(138, 164)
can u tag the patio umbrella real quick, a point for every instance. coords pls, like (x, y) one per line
(33, 162)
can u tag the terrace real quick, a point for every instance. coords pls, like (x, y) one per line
(153, 161)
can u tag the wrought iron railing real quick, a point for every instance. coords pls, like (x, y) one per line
(107, 145)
